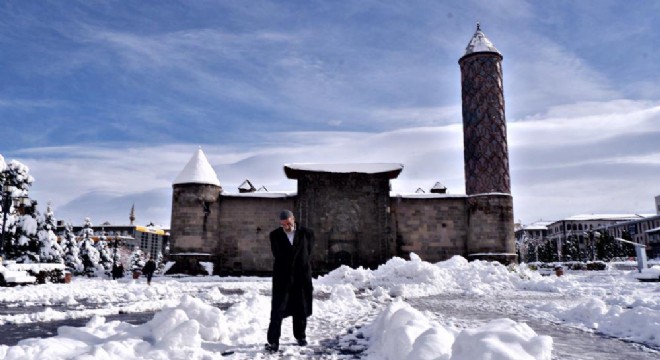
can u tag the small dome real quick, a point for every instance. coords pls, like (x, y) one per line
(480, 43)
(197, 171)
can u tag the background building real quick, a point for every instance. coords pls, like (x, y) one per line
(149, 238)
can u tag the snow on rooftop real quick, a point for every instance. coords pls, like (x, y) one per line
(613, 217)
(197, 171)
(539, 225)
(262, 194)
(366, 168)
(480, 43)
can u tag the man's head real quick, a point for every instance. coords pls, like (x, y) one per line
(287, 221)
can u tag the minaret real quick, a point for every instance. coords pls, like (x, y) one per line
(484, 126)
(131, 217)
(486, 154)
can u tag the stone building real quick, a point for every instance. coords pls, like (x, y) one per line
(356, 220)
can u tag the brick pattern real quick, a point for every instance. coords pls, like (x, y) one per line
(490, 224)
(435, 229)
(484, 125)
(349, 216)
(191, 226)
(242, 244)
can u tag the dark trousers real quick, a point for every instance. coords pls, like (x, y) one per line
(275, 327)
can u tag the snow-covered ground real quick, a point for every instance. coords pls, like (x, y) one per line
(357, 314)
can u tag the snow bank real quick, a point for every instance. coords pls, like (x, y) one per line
(420, 278)
(502, 339)
(175, 333)
(639, 321)
(402, 332)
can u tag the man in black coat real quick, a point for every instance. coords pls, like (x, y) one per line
(292, 279)
(149, 269)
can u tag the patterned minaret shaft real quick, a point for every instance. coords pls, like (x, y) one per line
(484, 125)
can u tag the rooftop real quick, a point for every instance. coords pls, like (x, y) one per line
(392, 169)
(480, 43)
(197, 171)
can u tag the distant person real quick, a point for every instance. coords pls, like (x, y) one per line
(291, 245)
(117, 270)
(149, 269)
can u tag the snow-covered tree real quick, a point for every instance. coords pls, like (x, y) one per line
(71, 251)
(27, 247)
(14, 176)
(51, 251)
(137, 259)
(88, 254)
(116, 254)
(105, 257)
(160, 264)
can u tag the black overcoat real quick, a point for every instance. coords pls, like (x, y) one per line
(292, 272)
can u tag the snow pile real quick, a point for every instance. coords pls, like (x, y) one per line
(638, 322)
(420, 278)
(402, 332)
(191, 324)
(174, 333)
(16, 276)
(652, 273)
(502, 339)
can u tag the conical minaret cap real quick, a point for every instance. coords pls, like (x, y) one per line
(197, 171)
(480, 43)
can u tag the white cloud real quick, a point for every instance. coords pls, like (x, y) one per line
(555, 172)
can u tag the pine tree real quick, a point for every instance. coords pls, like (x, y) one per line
(28, 246)
(105, 257)
(137, 259)
(88, 253)
(17, 176)
(51, 251)
(570, 248)
(160, 265)
(71, 251)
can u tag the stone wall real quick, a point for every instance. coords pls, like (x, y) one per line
(194, 224)
(349, 215)
(435, 228)
(490, 222)
(245, 222)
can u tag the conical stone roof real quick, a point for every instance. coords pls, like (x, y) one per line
(480, 43)
(197, 171)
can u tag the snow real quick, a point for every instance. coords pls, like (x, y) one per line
(480, 43)
(365, 168)
(652, 273)
(367, 311)
(197, 171)
(606, 217)
(14, 275)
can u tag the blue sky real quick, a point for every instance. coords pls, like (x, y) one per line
(106, 101)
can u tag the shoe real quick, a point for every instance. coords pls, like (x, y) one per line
(302, 342)
(272, 347)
